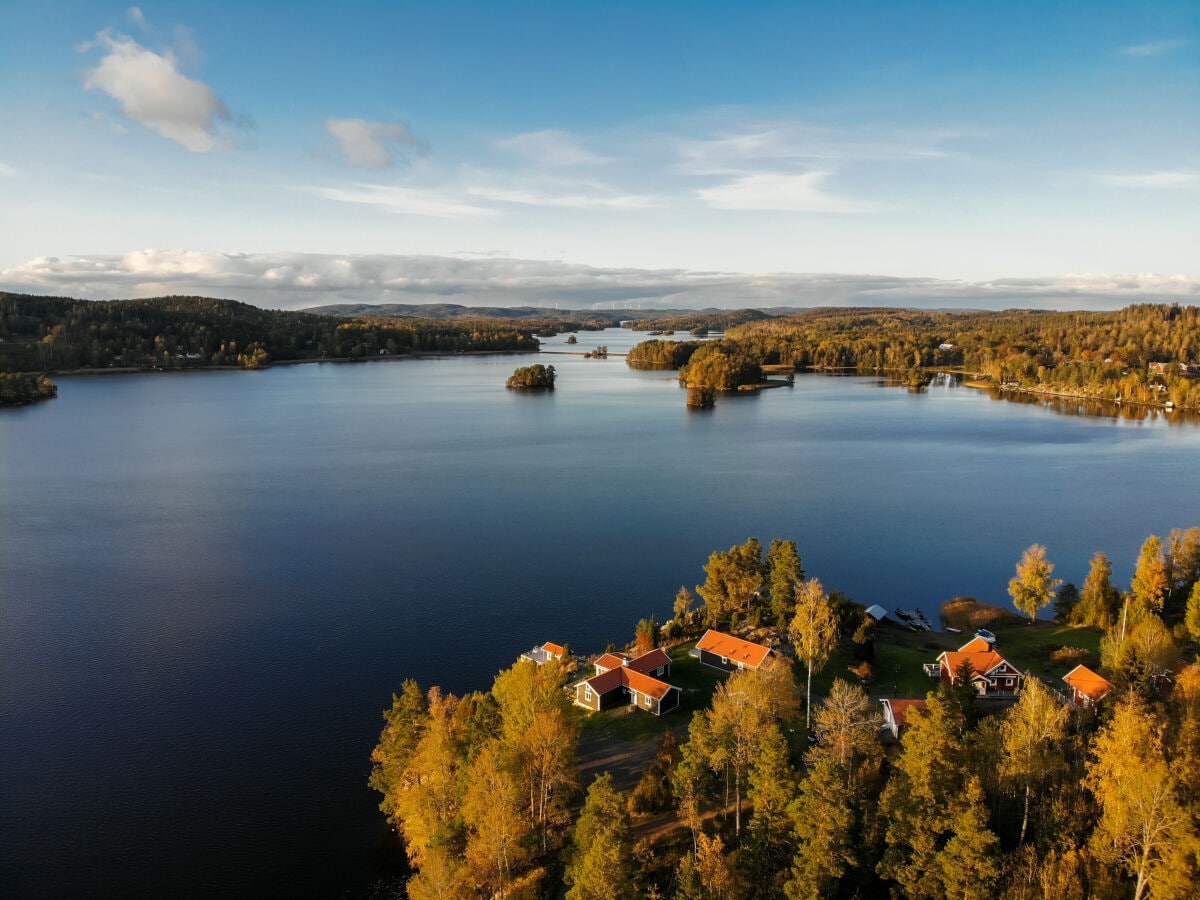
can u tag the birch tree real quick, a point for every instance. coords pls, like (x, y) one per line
(814, 632)
(1141, 818)
(1032, 731)
(1033, 588)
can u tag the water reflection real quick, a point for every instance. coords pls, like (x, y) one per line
(1062, 405)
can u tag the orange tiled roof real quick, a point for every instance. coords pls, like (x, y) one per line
(981, 663)
(556, 650)
(734, 649)
(648, 662)
(900, 709)
(644, 684)
(1087, 682)
(611, 661)
(623, 676)
(975, 645)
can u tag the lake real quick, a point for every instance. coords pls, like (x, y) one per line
(210, 583)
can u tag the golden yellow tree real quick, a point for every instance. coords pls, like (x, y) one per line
(814, 632)
(1033, 731)
(1033, 588)
(1142, 821)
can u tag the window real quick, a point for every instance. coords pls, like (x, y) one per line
(587, 695)
(724, 660)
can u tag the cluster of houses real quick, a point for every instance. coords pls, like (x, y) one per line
(644, 681)
(992, 676)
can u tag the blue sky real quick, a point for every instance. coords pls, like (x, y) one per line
(292, 154)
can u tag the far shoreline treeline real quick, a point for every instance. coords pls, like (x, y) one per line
(1147, 354)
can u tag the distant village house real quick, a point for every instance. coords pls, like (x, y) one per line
(544, 653)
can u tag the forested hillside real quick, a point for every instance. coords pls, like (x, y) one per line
(40, 334)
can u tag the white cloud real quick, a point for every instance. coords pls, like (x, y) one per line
(135, 15)
(151, 90)
(779, 192)
(551, 148)
(7, 171)
(405, 201)
(298, 280)
(364, 143)
(553, 192)
(788, 143)
(1153, 180)
(1156, 48)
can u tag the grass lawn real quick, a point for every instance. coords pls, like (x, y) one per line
(1028, 646)
(900, 655)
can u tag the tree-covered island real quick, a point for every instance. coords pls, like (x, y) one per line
(1044, 760)
(535, 377)
(20, 389)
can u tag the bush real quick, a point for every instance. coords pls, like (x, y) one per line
(1070, 657)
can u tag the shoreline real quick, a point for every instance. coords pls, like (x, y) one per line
(339, 360)
(1085, 398)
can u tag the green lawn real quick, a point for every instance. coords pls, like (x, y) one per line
(900, 656)
(1029, 646)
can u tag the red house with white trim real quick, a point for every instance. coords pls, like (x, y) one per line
(991, 674)
(1086, 686)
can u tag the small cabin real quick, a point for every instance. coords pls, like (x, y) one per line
(718, 650)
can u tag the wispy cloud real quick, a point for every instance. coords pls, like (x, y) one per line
(297, 280)
(776, 191)
(551, 148)
(365, 144)
(135, 15)
(1155, 48)
(1154, 180)
(405, 201)
(541, 190)
(735, 150)
(151, 90)
(7, 171)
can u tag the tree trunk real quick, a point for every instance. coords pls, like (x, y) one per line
(737, 799)
(808, 704)
(1025, 818)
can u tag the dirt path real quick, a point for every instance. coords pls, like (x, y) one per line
(600, 752)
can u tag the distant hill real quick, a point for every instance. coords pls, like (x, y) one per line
(456, 311)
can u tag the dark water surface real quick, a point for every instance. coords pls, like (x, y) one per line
(211, 583)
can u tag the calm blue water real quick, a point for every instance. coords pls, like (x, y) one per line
(211, 583)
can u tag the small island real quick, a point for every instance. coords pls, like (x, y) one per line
(22, 388)
(535, 377)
